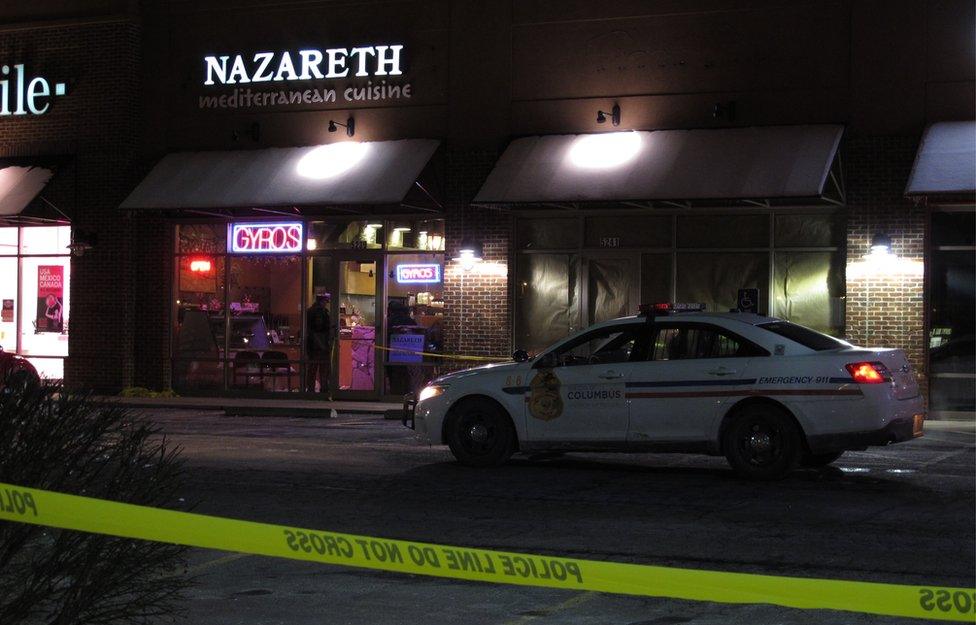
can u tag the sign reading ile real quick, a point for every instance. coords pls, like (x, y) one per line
(23, 95)
(265, 238)
(427, 273)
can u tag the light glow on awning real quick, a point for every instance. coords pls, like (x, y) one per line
(329, 161)
(604, 151)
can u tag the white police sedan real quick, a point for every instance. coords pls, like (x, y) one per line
(767, 394)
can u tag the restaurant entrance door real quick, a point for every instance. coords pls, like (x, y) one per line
(353, 281)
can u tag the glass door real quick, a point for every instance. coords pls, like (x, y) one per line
(356, 305)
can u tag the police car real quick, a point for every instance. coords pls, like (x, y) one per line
(767, 394)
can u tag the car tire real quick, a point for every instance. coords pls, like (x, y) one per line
(814, 461)
(762, 443)
(480, 434)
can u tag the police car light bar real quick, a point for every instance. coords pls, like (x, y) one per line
(669, 307)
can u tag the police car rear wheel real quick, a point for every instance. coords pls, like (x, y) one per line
(762, 443)
(479, 434)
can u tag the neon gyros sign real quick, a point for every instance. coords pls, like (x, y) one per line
(418, 274)
(265, 238)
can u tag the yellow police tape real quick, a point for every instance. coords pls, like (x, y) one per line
(40, 507)
(445, 356)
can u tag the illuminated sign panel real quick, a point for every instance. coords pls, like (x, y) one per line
(21, 96)
(201, 265)
(309, 64)
(265, 238)
(418, 274)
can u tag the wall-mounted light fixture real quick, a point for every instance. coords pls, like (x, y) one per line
(350, 126)
(614, 114)
(880, 244)
(468, 254)
(81, 241)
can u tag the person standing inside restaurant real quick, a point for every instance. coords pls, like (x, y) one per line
(318, 344)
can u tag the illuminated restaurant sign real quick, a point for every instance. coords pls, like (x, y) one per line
(310, 64)
(20, 95)
(330, 75)
(265, 238)
(418, 274)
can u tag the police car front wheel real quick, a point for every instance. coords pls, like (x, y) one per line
(480, 434)
(762, 442)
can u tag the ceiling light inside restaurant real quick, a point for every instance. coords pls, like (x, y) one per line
(604, 150)
(329, 161)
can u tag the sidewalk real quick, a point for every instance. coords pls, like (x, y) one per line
(264, 407)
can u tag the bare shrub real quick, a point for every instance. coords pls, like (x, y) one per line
(55, 440)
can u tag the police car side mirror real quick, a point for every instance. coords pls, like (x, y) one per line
(520, 355)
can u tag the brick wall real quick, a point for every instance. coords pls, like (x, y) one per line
(153, 292)
(477, 301)
(97, 126)
(885, 301)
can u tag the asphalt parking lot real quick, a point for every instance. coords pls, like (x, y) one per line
(901, 514)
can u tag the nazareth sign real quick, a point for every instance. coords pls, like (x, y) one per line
(370, 73)
(303, 65)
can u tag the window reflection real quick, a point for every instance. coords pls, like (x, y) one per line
(414, 319)
(351, 234)
(417, 234)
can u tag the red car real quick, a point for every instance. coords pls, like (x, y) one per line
(16, 373)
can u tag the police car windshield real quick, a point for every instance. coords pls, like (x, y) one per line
(816, 341)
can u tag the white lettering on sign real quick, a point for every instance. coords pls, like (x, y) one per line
(265, 238)
(23, 96)
(609, 241)
(306, 64)
(418, 274)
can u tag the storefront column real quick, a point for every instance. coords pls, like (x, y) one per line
(477, 300)
(885, 302)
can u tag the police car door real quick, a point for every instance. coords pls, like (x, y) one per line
(696, 371)
(578, 390)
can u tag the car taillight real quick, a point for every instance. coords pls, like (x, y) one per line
(869, 372)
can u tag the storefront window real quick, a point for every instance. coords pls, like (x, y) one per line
(641, 231)
(199, 339)
(35, 295)
(551, 234)
(612, 287)
(655, 278)
(729, 231)
(45, 240)
(8, 298)
(264, 304)
(952, 331)
(715, 278)
(809, 230)
(422, 234)
(352, 234)
(202, 238)
(809, 290)
(685, 257)
(547, 299)
(414, 320)
(8, 241)
(357, 325)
